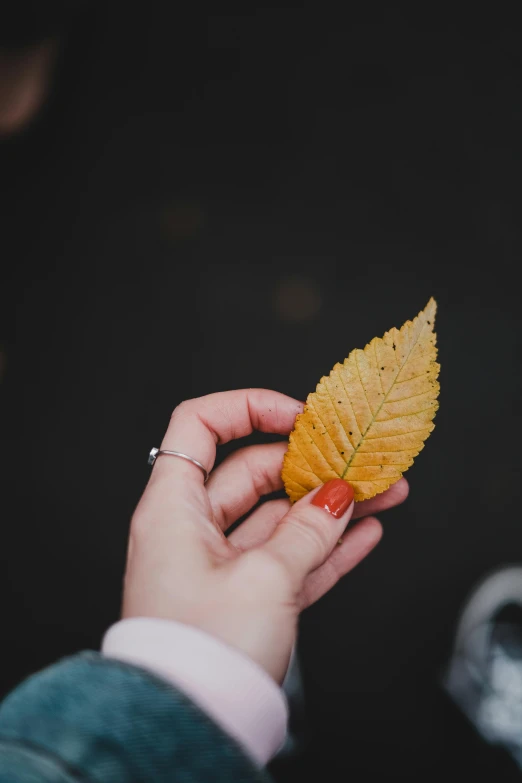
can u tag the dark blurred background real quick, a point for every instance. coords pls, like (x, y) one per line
(213, 199)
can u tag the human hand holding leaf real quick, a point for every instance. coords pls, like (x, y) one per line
(368, 419)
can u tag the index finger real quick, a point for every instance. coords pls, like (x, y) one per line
(197, 426)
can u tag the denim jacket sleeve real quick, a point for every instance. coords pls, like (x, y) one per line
(89, 719)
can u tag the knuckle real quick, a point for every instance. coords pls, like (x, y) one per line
(265, 464)
(313, 527)
(262, 466)
(261, 482)
(182, 409)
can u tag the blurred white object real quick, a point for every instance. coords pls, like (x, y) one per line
(484, 676)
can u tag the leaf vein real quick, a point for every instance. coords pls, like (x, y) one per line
(378, 465)
(310, 405)
(404, 415)
(295, 465)
(300, 485)
(301, 452)
(362, 387)
(397, 434)
(380, 406)
(410, 397)
(377, 364)
(337, 414)
(414, 377)
(351, 406)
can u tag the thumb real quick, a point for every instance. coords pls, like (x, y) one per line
(308, 533)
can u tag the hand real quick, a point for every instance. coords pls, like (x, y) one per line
(247, 589)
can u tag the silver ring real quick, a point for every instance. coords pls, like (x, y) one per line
(155, 453)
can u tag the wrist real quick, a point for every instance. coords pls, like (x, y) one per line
(237, 693)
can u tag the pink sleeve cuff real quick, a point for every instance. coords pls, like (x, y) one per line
(233, 690)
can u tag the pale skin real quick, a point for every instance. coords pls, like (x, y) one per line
(249, 588)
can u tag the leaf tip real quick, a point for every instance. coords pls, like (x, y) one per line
(429, 311)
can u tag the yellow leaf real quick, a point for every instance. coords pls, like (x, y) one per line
(368, 419)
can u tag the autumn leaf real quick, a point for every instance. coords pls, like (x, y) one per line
(368, 419)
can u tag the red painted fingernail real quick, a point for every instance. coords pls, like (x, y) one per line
(335, 496)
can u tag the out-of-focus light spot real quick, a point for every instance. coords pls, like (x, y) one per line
(25, 78)
(297, 299)
(181, 221)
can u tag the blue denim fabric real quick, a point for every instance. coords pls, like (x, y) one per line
(88, 719)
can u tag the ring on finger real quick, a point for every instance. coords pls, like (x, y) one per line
(155, 453)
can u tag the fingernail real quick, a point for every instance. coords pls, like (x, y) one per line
(335, 496)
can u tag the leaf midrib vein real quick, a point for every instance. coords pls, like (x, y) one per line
(382, 402)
